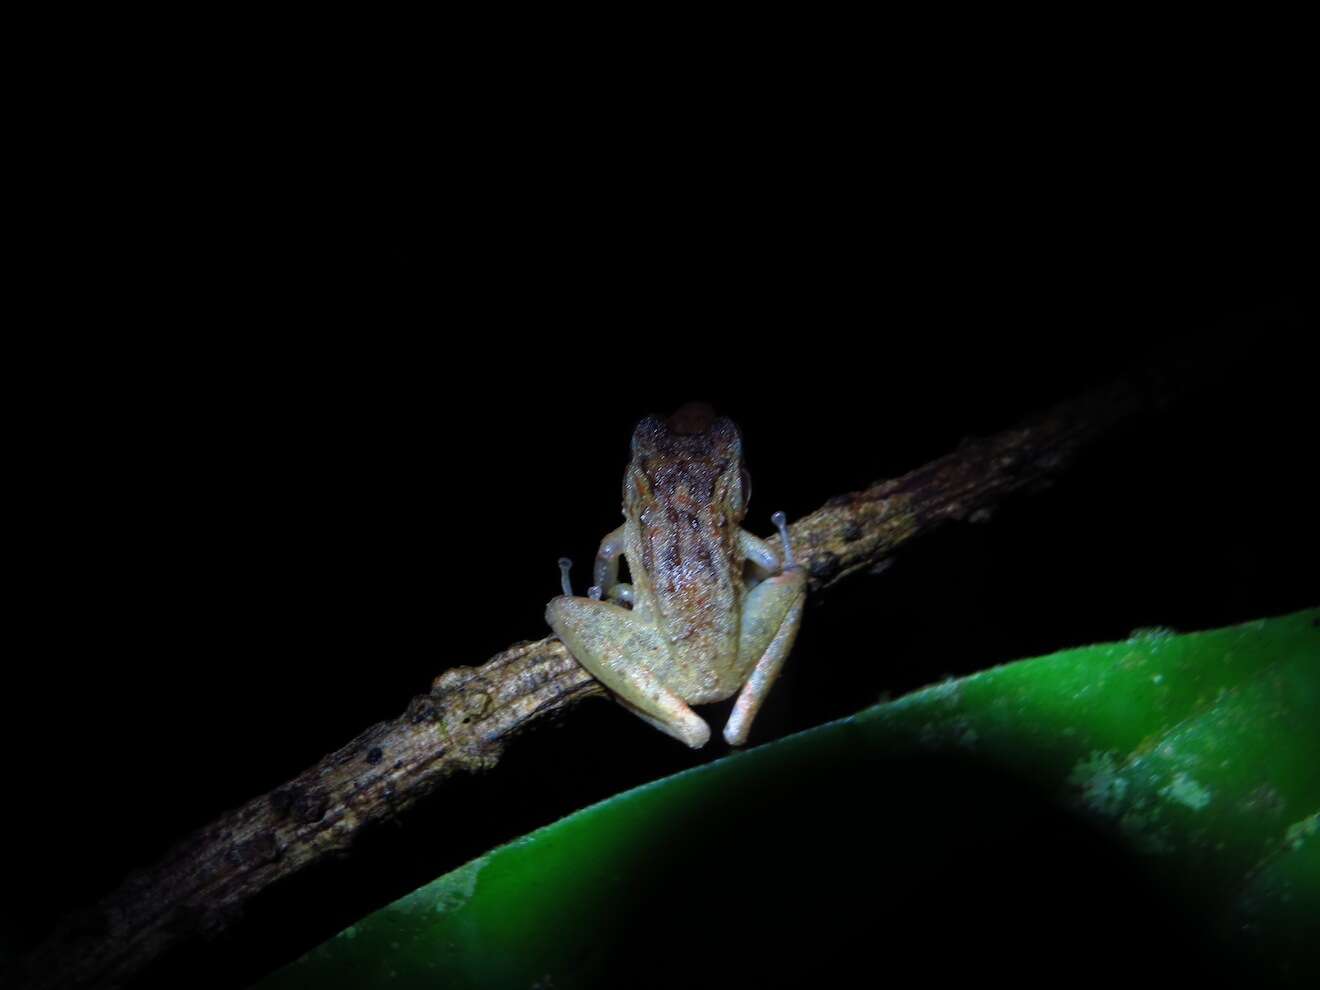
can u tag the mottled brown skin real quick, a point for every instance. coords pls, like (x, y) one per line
(683, 497)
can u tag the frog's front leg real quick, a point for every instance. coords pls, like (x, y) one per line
(772, 613)
(762, 560)
(605, 575)
(622, 651)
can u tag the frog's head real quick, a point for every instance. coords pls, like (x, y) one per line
(692, 461)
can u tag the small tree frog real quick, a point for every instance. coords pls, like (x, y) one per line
(711, 610)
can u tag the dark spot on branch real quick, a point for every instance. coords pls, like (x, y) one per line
(294, 802)
(311, 808)
(374, 755)
(282, 800)
(851, 532)
(261, 848)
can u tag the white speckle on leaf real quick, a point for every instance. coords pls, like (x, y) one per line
(1103, 791)
(1299, 832)
(454, 890)
(445, 894)
(1186, 791)
(1152, 633)
(948, 691)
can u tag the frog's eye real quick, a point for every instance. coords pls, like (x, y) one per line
(745, 481)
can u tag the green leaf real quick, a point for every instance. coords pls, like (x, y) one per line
(1047, 810)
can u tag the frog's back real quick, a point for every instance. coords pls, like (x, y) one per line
(694, 594)
(683, 501)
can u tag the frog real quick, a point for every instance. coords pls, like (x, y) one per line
(711, 610)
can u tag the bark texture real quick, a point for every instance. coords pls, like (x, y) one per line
(462, 726)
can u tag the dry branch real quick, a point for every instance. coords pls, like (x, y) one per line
(201, 887)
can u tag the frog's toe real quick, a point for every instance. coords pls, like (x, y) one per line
(680, 722)
(696, 734)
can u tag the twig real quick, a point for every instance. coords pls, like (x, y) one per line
(200, 888)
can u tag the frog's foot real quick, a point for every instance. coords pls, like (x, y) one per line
(622, 652)
(565, 565)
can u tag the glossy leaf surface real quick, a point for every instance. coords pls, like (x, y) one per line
(1156, 799)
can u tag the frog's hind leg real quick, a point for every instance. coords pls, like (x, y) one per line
(772, 613)
(780, 602)
(622, 652)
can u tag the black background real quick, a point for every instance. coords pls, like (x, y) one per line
(324, 449)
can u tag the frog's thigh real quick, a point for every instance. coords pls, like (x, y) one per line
(772, 613)
(621, 652)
